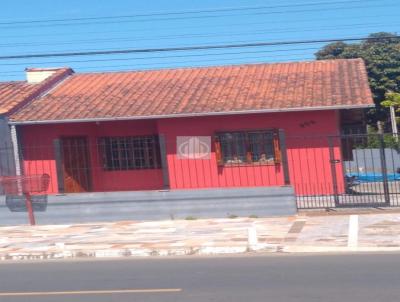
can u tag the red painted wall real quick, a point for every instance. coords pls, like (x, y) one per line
(307, 143)
(39, 157)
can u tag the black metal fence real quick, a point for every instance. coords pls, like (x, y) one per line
(82, 164)
(326, 171)
(363, 171)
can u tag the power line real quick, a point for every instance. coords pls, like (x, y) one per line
(210, 10)
(191, 62)
(106, 68)
(169, 57)
(346, 7)
(160, 57)
(169, 46)
(202, 26)
(170, 37)
(186, 48)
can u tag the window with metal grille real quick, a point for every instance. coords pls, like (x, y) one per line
(130, 152)
(244, 147)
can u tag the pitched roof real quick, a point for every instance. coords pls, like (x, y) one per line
(201, 91)
(14, 95)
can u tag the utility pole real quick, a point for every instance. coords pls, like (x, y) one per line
(394, 124)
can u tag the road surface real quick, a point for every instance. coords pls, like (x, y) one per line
(277, 278)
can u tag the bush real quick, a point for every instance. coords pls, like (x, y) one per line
(373, 140)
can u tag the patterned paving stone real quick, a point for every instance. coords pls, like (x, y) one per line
(208, 236)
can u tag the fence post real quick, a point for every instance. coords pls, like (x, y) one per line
(384, 168)
(284, 157)
(59, 167)
(333, 162)
(164, 163)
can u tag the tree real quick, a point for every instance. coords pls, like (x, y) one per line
(392, 99)
(381, 53)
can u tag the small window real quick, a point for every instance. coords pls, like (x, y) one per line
(130, 152)
(244, 147)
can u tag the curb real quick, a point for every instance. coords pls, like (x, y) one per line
(338, 249)
(189, 251)
(120, 253)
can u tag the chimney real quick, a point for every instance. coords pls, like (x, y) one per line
(38, 75)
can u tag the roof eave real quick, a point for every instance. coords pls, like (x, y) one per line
(183, 115)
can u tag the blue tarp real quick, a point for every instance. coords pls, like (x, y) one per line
(373, 177)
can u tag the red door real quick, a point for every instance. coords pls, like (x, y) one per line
(76, 164)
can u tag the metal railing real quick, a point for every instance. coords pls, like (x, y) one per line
(363, 171)
(326, 171)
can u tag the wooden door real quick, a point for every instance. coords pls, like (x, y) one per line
(76, 164)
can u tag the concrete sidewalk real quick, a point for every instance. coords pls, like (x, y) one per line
(328, 233)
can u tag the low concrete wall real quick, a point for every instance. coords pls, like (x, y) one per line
(157, 205)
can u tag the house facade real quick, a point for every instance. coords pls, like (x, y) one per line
(13, 96)
(215, 127)
(91, 164)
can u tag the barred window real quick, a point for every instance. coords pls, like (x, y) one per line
(241, 147)
(130, 152)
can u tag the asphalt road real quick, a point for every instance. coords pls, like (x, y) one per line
(275, 278)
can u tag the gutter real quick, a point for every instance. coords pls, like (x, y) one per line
(183, 115)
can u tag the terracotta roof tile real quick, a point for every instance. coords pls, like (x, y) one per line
(140, 94)
(11, 94)
(14, 95)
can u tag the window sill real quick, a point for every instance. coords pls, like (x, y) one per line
(255, 164)
(129, 170)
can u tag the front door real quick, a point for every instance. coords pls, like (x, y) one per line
(76, 164)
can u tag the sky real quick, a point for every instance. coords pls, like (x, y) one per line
(53, 26)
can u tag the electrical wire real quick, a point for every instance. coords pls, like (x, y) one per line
(202, 26)
(159, 57)
(192, 64)
(173, 37)
(209, 10)
(188, 48)
(346, 7)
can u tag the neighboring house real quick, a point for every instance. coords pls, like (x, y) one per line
(124, 130)
(13, 96)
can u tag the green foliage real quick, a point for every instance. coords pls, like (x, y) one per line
(190, 218)
(392, 99)
(390, 142)
(373, 140)
(382, 59)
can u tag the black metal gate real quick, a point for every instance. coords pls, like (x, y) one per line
(364, 171)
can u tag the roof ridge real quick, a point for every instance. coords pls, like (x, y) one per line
(214, 66)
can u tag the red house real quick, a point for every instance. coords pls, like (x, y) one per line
(13, 96)
(243, 126)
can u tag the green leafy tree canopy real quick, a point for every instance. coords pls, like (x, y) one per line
(381, 53)
(392, 99)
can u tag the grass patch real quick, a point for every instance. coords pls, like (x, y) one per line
(190, 218)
